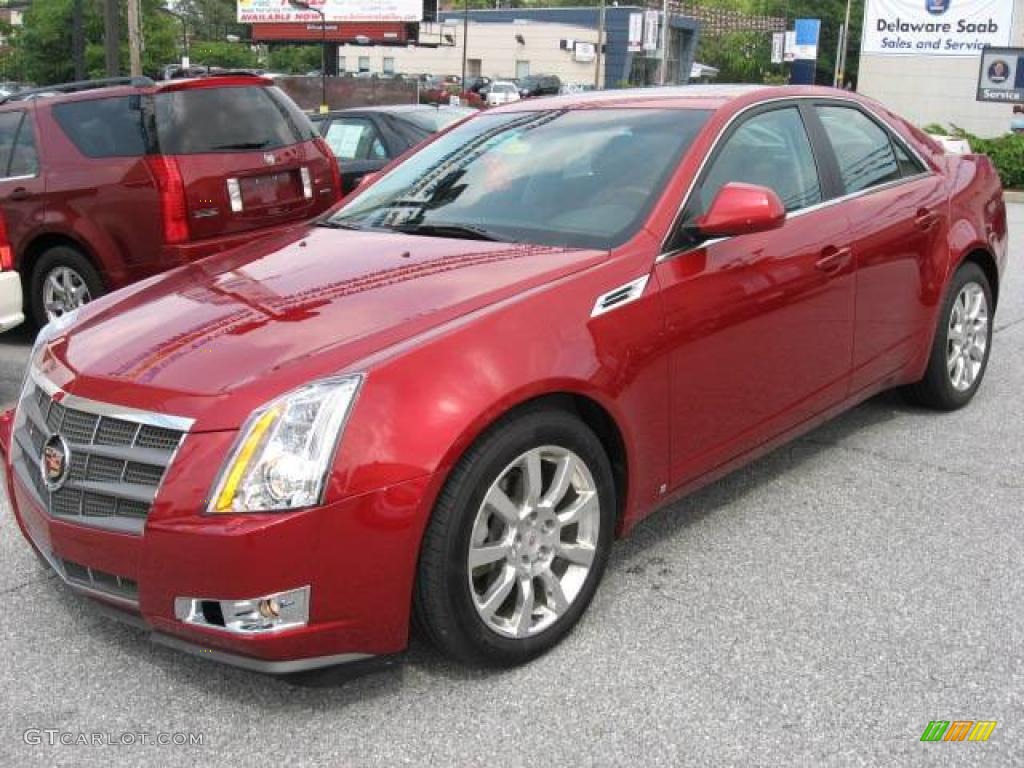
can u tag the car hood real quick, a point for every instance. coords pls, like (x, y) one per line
(283, 311)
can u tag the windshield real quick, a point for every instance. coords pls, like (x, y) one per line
(435, 120)
(576, 178)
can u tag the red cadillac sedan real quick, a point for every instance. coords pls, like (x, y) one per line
(445, 399)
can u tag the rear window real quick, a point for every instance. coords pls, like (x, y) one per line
(229, 119)
(435, 120)
(109, 127)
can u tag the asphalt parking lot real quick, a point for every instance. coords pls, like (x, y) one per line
(817, 608)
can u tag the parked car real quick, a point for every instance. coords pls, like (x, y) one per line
(365, 139)
(502, 92)
(539, 85)
(479, 85)
(108, 182)
(448, 397)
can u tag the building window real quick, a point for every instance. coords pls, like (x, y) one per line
(522, 69)
(341, 63)
(389, 65)
(364, 63)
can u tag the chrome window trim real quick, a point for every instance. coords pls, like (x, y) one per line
(665, 255)
(110, 410)
(25, 177)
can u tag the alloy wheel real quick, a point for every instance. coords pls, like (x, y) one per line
(533, 542)
(64, 290)
(967, 337)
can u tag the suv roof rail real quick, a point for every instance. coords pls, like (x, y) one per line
(78, 86)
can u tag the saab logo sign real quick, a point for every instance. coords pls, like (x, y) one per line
(936, 27)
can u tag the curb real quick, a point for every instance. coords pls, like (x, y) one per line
(1013, 195)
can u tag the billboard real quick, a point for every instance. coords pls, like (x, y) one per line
(1002, 75)
(262, 11)
(936, 27)
(805, 47)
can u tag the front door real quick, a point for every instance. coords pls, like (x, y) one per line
(760, 325)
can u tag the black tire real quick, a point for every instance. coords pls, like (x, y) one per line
(444, 607)
(936, 389)
(54, 258)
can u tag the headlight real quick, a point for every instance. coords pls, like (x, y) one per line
(286, 448)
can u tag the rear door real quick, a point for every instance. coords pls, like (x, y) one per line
(21, 184)
(900, 220)
(246, 155)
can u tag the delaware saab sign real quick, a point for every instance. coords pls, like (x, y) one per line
(936, 27)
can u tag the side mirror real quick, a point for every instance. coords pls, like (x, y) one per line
(741, 209)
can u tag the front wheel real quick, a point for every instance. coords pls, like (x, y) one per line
(518, 541)
(63, 280)
(962, 343)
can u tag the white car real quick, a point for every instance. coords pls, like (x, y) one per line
(501, 92)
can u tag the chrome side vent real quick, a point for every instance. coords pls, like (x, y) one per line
(620, 296)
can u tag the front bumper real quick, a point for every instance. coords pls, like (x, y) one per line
(11, 309)
(357, 555)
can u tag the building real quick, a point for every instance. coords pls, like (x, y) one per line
(922, 58)
(512, 43)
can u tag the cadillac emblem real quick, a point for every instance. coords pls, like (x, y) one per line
(54, 462)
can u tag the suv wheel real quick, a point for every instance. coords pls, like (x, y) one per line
(63, 280)
(962, 344)
(518, 541)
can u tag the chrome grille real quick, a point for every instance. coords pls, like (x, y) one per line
(117, 460)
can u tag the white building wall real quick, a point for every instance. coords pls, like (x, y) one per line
(937, 89)
(494, 45)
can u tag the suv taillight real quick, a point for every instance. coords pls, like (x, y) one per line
(173, 209)
(6, 253)
(332, 163)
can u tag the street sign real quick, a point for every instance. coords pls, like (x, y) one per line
(789, 49)
(1002, 75)
(778, 47)
(651, 30)
(807, 32)
(636, 33)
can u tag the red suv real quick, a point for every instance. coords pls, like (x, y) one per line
(106, 182)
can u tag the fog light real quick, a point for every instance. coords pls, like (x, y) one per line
(271, 613)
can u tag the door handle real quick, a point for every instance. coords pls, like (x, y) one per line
(19, 193)
(925, 219)
(833, 259)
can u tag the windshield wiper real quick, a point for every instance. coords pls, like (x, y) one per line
(331, 224)
(242, 145)
(463, 231)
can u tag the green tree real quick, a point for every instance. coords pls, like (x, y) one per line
(223, 54)
(293, 59)
(43, 44)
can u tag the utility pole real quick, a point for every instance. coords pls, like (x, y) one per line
(664, 42)
(134, 39)
(112, 37)
(841, 75)
(600, 46)
(77, 40)
(837, 77)
(465, 43)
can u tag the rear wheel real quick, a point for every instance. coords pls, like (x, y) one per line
(518, 541)
(962, 344)
(62, 280)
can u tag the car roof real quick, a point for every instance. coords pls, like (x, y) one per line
(394, 109)
(711, 97)
(113, 88)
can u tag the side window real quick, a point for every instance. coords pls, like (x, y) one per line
(109, 127)
(771, 150)
(9, 123)
(909, 165)
(864, 151)
(24, 159)
(355, 138)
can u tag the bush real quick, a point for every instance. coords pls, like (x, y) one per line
(1005, 152)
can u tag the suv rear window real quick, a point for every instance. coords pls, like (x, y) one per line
(228, 119)
(109, 127)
